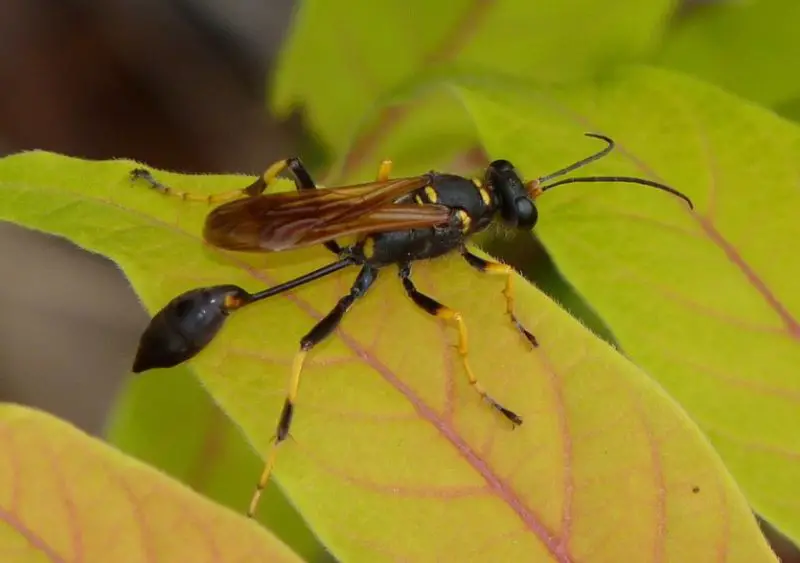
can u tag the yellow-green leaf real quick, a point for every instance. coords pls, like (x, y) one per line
(173, 424)
(790, 109)
(68, 497)
(393, 455)
(744, 47)
(341, 57)
(705, 301)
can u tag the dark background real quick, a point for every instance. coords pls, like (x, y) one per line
(178, 84)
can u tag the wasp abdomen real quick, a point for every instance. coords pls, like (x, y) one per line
(186, 325)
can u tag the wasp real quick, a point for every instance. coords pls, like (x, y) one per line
(394, 221)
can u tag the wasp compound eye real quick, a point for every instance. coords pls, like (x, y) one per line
(186, 325)
(526, 213)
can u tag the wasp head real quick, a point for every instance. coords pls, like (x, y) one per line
(514, 197)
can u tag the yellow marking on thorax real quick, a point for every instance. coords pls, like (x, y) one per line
(465, 219)
(433, 197)
(369, 247)
(485, 195)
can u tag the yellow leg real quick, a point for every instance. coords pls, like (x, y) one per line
(463, 350)
(145, 175)
(271, 174)
(253, 189)
(385, 170)
(284, 422)
(433, 307)
(497, 268)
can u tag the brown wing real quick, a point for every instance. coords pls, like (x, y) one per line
(393, 217)
(287, 220)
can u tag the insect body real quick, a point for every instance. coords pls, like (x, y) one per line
(394, 221)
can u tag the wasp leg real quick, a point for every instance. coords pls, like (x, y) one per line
(385, 170)
(254, 189)
(321, 330)
(508, 292)
(301, 178)
(147, 176)
(436, 309)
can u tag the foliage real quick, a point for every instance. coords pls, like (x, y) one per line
(657, 455)
(70, 497)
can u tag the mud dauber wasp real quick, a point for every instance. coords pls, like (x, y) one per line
(395, 221)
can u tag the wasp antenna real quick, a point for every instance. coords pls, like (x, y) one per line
(583, 162)
(623, 179)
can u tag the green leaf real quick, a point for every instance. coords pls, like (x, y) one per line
(69, 497)
(744, 47)
(705, 301)
(393, 455)
(365, 49)
(789, 109)
(172, 423)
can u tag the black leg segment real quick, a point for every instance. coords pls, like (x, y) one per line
(317, 334)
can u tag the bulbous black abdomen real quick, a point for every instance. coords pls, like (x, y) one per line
(185, 326)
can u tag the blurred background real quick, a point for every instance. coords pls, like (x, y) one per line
(177, 84)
